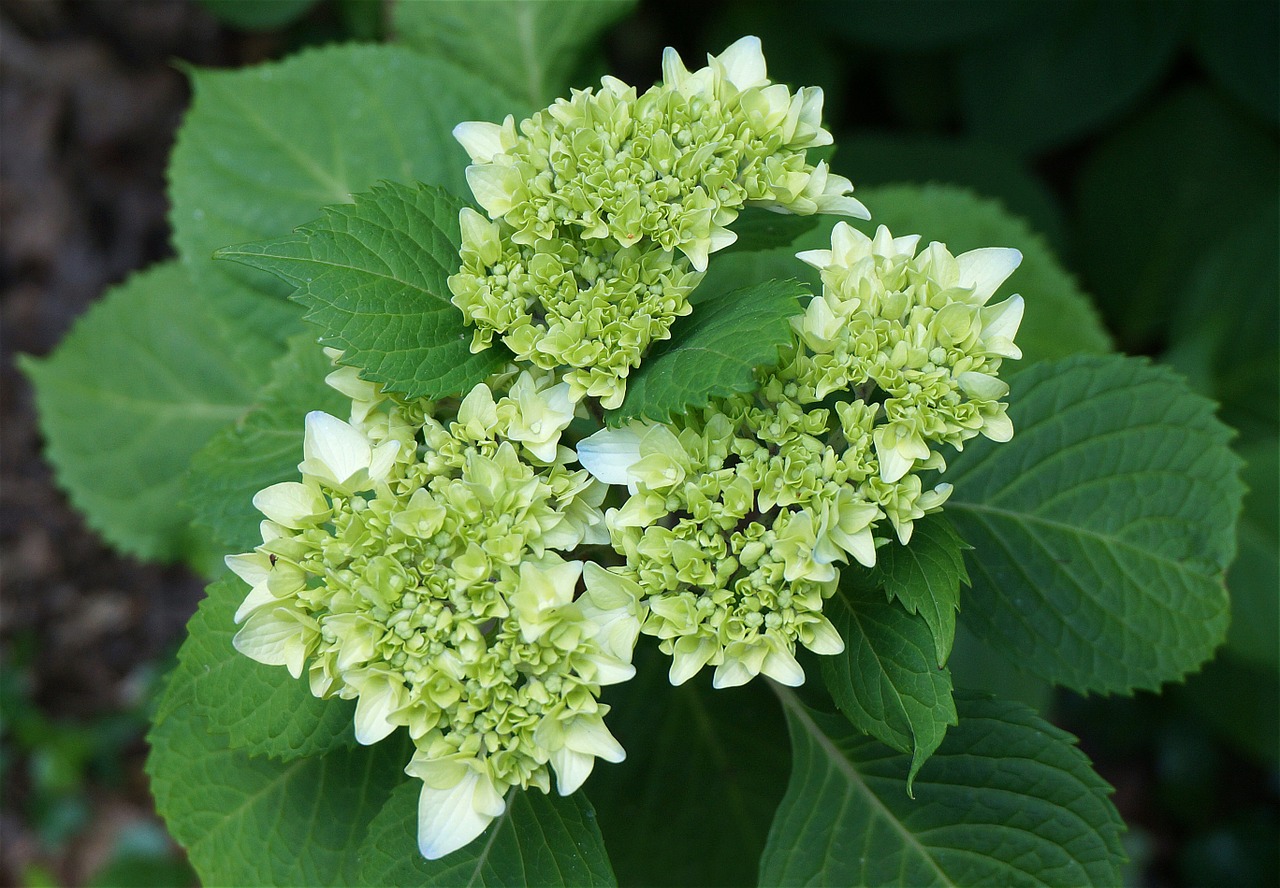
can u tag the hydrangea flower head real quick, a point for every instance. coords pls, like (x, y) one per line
(417, 569)
(602, 210)
(740, 515)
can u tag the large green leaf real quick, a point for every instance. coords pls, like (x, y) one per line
(1101, 532)
(714, 352)
(1060, 319)
(255, 821)
(136, 388)
(539, 840)
(373, 275)
(918, 24)
(529, 48)
(887, 680)
(704, 771)
(258, 15)
(1066, 71)
(1224, 324)
(262, 448)
(264, 148)
(261, 710)
(926, 577)
(1240, 50)
(1156, 194)
(1008, 799)
(1254, 578)
(1240, 701)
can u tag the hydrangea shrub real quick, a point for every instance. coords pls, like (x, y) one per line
(565, 451)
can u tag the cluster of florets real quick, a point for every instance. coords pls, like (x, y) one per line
(604, 208)
(739, 514)
(420, 564)
(415, 568)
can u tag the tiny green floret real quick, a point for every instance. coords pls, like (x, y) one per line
(604, 208)
(416, 568)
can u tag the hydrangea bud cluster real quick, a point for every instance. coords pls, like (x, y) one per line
(738, 514)
(423, 566)
(416, 569)
(604, 208)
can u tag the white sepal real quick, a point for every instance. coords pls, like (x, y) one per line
(609, 454)
(986, 269)
(449, 819)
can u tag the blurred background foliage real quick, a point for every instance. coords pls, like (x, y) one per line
(1139, 137)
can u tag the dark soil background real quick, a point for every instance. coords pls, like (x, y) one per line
(90, 97)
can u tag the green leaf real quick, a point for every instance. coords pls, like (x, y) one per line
(704, 771)
(1224, 325)
(539, 840)
(926, 576)
(255, 821)
(1240, 701)
(1255, 574)
(373, 275)
(529, 48)
(759, 229)
(137, 387)
(1068, 70)
(258, 15)
(264, 148)
(888, 681)
(1060, 319)
(975, 666)
(262, 448)
(1240, 51)
(892, 158)
(1156, 194)
(1008, 799)
(1101, 532)
(262, 710)
(714, 352)
(920, 24)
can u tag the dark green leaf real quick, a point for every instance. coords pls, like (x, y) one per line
(920, 24)
(888, 681)
(1156, 194)
(373, 275)
(527, 47)
(264, 148)
(1254, 577)
(540, 840)
(138, 386)
(1240, 702)
(1237, 43)
(704, 771)
(926, 577)
(714, 352)
(1067, 71)
(1224, 325)
(1008, 799)
(258, 15)
(262, 448)
(759, 229)
(1101, 532)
